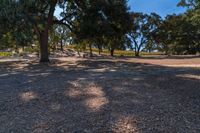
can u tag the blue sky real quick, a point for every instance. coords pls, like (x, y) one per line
(161, 7)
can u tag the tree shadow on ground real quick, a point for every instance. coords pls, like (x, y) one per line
(98, 96)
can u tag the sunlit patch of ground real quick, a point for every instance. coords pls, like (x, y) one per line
(125, 124)
(95, 104)
(28, 96)
(190, 76)
(171, 61)
(93, 96)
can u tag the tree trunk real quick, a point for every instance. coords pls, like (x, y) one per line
(43, 35)
(112, 52)
(99, 50)
(166, 52)
(198, 50)
(137, 52)
(44, 54)
(61, 45)
(149, 50)
(91, 51)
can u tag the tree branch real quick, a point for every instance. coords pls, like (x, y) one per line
(62, 23)
(51, 13)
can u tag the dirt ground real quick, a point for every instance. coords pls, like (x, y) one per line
(101, 95)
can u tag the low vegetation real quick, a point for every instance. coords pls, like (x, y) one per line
(122, 52)
(5, 53)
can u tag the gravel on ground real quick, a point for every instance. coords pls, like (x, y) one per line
(75, 95)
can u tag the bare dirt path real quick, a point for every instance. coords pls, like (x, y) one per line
(100, 95)
(168, 60)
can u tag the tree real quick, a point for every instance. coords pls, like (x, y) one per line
(154, 21)
(21, 35)
(177, 35)
(117, 24)
(193, 16)
(64, 35)
(15, 38)
(195, 4)
(140, 31)
(40, 16)
(7, 41)
(104, 22)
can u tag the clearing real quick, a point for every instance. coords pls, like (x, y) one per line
(101, 94)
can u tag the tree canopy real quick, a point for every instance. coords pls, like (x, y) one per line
(104, 24)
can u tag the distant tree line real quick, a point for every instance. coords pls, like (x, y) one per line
(103, 24)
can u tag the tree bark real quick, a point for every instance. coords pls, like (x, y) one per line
(61, 45)
(112, 52)
(149, 50)
(99, 48)
(91, 51)
(43, 36)
(44, 54)
(198, 50)
(137, 53)
(137, 50)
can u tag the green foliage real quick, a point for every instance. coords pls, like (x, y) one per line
(179, 34)
(7, 41)
(15, 27)
(101, 22)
